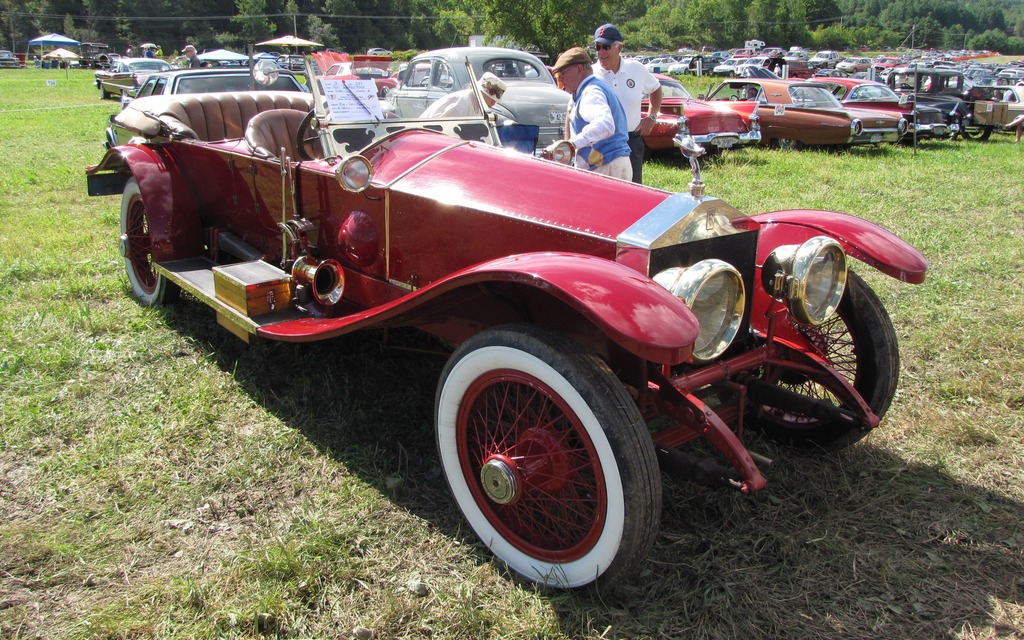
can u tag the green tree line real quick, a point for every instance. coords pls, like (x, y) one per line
(548, 26)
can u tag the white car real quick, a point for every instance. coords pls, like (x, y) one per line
(728, 67)
(659, 65)
(826, 59)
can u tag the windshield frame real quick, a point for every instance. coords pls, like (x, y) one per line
(344, 135)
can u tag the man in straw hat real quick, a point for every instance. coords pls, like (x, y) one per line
(630, 81)
(461, 104)
(595, 123)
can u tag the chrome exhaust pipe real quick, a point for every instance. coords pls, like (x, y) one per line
(325, 278)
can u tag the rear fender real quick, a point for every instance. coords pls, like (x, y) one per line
(861, 239)
(630, 309)
(174, 225)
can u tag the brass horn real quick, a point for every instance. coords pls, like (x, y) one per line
(326, 278)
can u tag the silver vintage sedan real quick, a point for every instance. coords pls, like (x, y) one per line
(532, 97)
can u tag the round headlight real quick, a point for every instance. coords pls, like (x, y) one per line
(354, 174)
(811, 277)
(562, 152)
(714, 291)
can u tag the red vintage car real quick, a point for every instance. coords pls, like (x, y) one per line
(597, 326)
(372, 67)
(795, 114)
(924, 121)
(714, 126)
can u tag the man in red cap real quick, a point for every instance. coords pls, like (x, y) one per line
(630, 81)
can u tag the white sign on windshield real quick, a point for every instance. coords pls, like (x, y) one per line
(352, 100)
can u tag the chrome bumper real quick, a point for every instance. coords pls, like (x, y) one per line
(875, 136)
(727, 139)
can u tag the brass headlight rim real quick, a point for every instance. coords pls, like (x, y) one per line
(686, 283)
(803, 260)
(342, 172)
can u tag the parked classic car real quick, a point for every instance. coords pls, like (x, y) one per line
(532, 97)
(924, 122)
(794, 114)
(597, 325)
(8, 60)
(996, 114)
(213, 79)
(946, 90)
(713, 126)
(94, 55)
(127, 74)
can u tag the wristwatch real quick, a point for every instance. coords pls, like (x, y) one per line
(651, 116)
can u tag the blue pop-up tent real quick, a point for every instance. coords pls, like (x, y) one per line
(54, 40)
(50, 40)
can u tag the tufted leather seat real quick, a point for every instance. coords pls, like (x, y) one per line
(269, 131)
(206, 116)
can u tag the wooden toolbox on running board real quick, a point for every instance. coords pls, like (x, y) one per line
(253, 288)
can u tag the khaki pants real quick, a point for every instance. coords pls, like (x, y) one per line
(617, 168)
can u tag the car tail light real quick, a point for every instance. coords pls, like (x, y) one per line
(857, 126)
(684, 125)
(755, 122)
(809, 277)
(714, 291)
(902, 126)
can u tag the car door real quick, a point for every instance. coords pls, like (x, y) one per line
(442, 81)
(411, 98)
(153, 86)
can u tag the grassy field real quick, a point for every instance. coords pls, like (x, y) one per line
(160, 479)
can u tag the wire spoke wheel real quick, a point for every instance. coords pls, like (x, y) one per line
(148, 286)
(547, 457)
(860, 344)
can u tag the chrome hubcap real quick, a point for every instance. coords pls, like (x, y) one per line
(500, 479)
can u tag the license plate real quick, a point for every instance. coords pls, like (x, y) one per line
(556, 117)
(724, 143)
(876, 137)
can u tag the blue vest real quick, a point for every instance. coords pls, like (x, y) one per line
(614, 146)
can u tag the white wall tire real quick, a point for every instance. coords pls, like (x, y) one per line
(526, 415)
(148, 287)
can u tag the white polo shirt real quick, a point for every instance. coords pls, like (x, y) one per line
(630, 84)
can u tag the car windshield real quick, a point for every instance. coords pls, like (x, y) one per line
(232, 82)
(352, 116)
(514, 70)
(147, 65)
(873, 93)
(672, 89)
(812, 97)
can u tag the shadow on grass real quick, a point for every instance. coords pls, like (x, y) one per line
(861, 544)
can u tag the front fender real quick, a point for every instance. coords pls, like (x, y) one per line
(172, 212)
(861, 239)
(629, 308)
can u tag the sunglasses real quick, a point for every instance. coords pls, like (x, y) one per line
(602, 47)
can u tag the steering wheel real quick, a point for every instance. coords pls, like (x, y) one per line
(307, 140)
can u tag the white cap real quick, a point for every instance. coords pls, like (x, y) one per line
(492, 86)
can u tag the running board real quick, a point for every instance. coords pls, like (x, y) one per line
(197, 277)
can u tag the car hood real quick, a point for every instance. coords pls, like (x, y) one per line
(466, 175)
